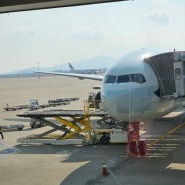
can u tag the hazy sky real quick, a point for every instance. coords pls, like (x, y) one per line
(61, 35)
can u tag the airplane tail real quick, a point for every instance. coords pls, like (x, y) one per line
(71, 67)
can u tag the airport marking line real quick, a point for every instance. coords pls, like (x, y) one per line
(176, 166)
(114, 177)
(6, 150)
(165, 135)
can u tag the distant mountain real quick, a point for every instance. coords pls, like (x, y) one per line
(93, 63)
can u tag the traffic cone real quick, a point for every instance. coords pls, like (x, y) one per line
(104, 170)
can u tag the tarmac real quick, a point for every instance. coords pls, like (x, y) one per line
(163, 164)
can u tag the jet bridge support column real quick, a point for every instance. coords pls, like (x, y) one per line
(135, 145)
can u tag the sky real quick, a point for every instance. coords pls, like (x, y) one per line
(61, 35)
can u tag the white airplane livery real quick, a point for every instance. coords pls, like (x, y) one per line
(131, 92)
(142, 85)
(86, 71)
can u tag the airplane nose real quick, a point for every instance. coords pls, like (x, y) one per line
(118, 100)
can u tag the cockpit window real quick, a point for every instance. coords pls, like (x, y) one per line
(123, 79)
(109, 79)
(139, 78)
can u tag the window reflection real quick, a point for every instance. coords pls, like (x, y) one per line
(123, 79)
(109, 79)
(139, 78)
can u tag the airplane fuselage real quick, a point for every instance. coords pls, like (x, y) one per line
(130, 90)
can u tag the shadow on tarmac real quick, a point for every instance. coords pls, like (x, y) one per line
(87, 160)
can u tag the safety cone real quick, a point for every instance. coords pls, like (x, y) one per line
(104, 170)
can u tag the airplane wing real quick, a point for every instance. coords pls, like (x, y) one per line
(80, 76)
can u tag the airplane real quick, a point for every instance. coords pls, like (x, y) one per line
(71, 67)
(130, 88)
(142, 85)
(87, 71)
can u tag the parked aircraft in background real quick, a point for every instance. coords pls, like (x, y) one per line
(142, 85)
(100, 71)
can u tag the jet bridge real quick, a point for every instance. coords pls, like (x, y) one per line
(170, 71)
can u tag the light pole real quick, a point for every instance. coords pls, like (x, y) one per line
(38, 68)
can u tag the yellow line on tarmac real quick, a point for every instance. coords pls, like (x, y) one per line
(165, 135)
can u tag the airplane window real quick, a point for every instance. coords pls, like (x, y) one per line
(109, 79)
(139, 78)
(123, 79)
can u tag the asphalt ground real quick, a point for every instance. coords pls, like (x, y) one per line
(163, 164)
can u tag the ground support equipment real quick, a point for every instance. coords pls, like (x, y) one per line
(8, 128)
(111, 135)
(74, 124)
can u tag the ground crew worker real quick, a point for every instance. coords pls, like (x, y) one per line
(1, 132)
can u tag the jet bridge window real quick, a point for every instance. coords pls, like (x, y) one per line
(109, 79)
